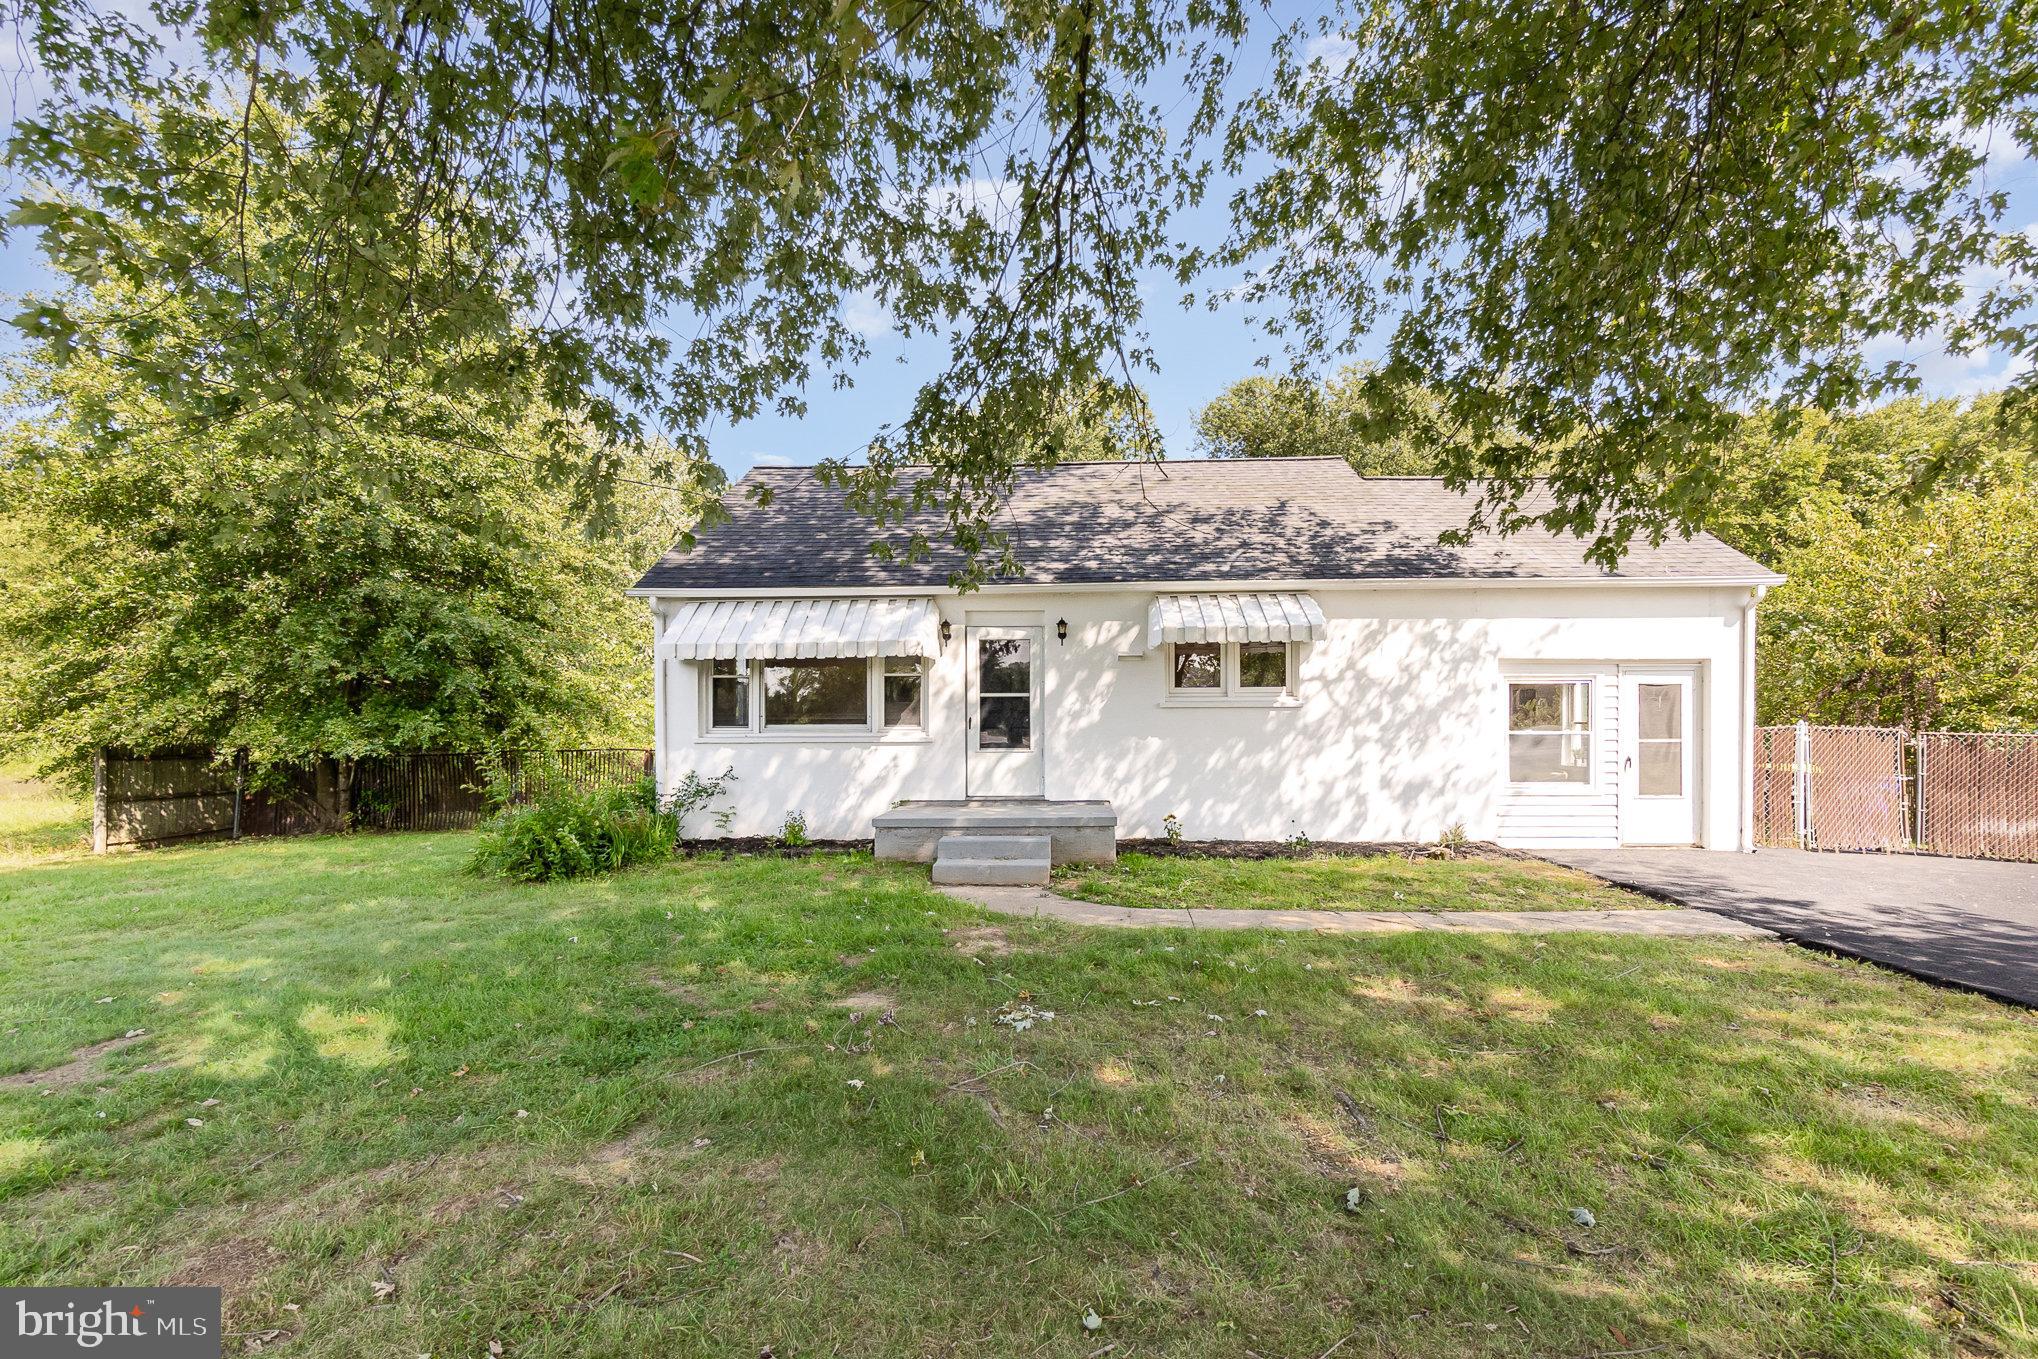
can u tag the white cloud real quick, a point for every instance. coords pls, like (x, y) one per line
(993, 198)
(865, 315)
(1332, 52)
(1942, 371)
(1996, 145)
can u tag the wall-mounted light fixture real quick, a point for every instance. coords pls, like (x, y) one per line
(947, 631)
(1061, 631)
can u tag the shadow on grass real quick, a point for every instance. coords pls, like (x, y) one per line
(630, 1117)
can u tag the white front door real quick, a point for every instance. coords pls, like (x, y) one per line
(1002, 727)
(1659, 756)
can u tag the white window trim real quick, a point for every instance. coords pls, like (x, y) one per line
(870, 732)
(1593, 732)
(1229, 693)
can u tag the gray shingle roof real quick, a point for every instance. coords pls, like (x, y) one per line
(1242, 520)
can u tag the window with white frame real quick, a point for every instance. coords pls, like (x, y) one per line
(820, 696)
(729, 695)
(1549, 731)
(903, 681)
(819, 693)
(1228, 669)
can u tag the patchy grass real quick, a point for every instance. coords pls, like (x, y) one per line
(1380, 882)
(38, 823)
(393, 1109)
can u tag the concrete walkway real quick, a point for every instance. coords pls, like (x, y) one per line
(1039, 904)
(1970, 923)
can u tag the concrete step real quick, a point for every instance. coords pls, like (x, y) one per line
(952, 872)
(994, 847)
(1081, 832)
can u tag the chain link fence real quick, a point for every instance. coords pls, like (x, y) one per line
(1978, 794)
(1967, 794)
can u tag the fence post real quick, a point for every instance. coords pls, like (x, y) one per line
(1801, 770)
(1918, 831)
(240, 782)
(99, 831)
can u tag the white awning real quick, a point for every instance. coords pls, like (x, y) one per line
(1264, 617)
(780, 629)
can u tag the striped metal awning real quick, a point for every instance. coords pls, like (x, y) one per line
(784, 629)
(1263, 617)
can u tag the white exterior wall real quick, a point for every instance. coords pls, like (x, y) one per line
(1397, 729)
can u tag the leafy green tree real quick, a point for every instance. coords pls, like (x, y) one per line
(342, 596)
(221, 567)
(1291, 417)
(1593, 232)
(1103, 422)
(1783, 467)
(1597, 233)
(1924, 617)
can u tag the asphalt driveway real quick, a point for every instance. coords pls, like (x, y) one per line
(1964, 922)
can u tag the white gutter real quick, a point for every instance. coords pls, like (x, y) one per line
(1747, 804)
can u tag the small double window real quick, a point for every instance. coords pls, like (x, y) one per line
(1228, 669)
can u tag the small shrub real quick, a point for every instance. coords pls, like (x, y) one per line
(1298, 842)
(564, 833)
(1171, 826)
(696, 792)
(793, 834)
(1454, 841)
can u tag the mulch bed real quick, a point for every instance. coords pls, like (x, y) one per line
(1315, 849)
(766, 846)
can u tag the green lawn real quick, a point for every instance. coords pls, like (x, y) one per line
(38, 823)
(1382, 882)
(715, 1107)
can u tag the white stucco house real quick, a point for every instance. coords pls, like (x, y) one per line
(1260, 648)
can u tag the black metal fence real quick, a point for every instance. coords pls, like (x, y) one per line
(171, 796)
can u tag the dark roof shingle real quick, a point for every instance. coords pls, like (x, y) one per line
(1234, 520)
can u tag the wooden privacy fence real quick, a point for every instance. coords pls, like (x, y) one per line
(1971, 794)
(172, 796)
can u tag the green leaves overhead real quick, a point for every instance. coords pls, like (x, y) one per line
(1601, 230)
(1580, 237)
(659, 208)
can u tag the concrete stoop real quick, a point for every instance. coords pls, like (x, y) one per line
(1075, 832)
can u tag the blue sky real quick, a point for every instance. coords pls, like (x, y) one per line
(1198, 350)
